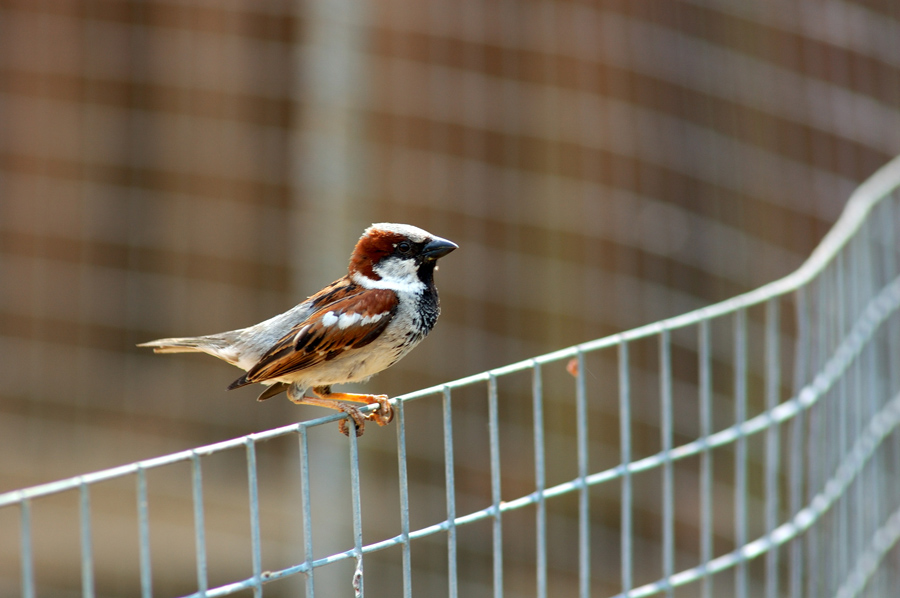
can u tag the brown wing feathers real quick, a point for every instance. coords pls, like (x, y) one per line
(350, 323)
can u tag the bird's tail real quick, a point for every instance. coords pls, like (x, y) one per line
(192, 344)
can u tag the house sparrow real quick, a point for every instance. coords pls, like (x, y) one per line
(355, 327)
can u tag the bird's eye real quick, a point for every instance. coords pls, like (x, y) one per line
(404, 247)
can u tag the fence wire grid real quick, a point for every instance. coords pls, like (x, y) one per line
(773, 468)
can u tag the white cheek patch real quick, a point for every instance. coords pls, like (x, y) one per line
(396, 269)
(396, 274)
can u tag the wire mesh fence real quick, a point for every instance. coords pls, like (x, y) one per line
(758, 455)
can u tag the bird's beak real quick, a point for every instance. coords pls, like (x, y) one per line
(438, 248)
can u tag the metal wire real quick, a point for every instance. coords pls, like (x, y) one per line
(825, 509)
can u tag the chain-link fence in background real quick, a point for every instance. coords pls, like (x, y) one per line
(775, 468)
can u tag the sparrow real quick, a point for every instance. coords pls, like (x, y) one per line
(352, 329)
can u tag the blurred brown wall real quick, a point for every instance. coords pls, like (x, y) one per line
(184, 167)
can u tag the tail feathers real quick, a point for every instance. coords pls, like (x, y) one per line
(242, 381)
(271, 391)
(212, 345)
(176, 345)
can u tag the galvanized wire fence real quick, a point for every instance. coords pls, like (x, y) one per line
(758, 455)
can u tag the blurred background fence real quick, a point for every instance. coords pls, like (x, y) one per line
(190, 166)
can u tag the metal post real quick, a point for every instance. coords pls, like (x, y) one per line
(27, 550)
(449, 476)
(668, 482)
(255, 546)
(494, 440)
(199, 525)
(706, 477)
(400, 416)
(144, 534)
(773, 456)
(584, 498)
(306, 508)
(356, 506)
(87, 549)
(537, 400)
(740, 451)
(625, 456)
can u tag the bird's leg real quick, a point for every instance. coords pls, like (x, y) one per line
(358, 418)
(382, 416)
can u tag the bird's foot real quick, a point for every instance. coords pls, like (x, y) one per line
(359, 420)
(381, 416)
(328, 400)
(385, 412)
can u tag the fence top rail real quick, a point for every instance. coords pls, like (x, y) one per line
(883, 182)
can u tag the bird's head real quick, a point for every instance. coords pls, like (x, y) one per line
(397, 256)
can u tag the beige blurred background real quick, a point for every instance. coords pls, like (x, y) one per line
(184, 167)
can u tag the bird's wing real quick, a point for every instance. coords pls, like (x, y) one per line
(349, 323)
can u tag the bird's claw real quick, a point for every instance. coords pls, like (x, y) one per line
(358, 418)
(385, 412)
